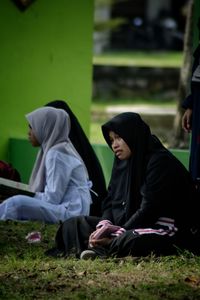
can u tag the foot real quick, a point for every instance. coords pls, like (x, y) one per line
(88, 254)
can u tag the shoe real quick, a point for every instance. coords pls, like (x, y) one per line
(33, 237)
(88, 254)
(54, 252)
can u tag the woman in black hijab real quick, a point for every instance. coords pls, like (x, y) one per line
(149, 189)
(85, 150)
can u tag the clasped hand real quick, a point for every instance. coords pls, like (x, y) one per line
(94, 242)
(103, 235)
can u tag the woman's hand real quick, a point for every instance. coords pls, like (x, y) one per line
(99, 238)
(94, 242)
(91, 237)
(100, 242)
(187, 120)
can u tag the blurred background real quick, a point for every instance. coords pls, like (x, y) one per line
(103, 57)
(139, 25)
(137, 59)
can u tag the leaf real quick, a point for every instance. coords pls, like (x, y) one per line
(195, 281)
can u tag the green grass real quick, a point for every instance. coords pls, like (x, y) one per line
(26, 273)
(140, 59)
(99, 115)
(168, 59)
(157, 99)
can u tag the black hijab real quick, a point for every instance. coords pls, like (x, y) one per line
(84, 148)
(128, 175)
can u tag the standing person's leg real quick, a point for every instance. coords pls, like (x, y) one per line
(195, 142)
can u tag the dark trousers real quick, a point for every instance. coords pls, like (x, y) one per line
(72, 236)
(134, 244)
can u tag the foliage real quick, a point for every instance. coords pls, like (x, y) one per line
(26, 273)
(107, 2)
(111, 24)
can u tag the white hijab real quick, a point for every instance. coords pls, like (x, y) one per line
(51, 127)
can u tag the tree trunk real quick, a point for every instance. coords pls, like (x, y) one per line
(180, 138)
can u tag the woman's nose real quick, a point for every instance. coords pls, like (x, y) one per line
(114, 144)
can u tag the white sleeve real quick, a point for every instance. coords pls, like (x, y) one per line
(58, 173)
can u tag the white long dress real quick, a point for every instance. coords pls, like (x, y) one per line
(66, 193)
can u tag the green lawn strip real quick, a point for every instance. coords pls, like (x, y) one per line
(99, 115)
(100, 105)
(26, 273)
(140, 59)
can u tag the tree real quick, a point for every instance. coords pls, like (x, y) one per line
(180, 138)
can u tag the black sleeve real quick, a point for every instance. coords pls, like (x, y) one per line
(156, 192)
(107, 206)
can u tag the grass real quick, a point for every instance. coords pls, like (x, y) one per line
(162, 59)
(152, 100)
(26, 273)
(99, 113)
(168, 59)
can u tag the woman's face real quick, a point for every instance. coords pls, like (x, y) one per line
(32, 138)
(119, 147)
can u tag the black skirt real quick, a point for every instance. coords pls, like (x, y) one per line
(72, 236)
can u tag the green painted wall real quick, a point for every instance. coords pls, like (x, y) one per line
(23, 156)
(45, 54)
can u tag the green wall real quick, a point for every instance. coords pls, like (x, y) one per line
(45, 54)
(22, 156)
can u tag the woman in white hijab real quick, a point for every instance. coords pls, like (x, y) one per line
(59, 177)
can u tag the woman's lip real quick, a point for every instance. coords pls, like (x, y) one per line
(117, 153)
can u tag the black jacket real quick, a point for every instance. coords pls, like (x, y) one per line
(151, 184)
